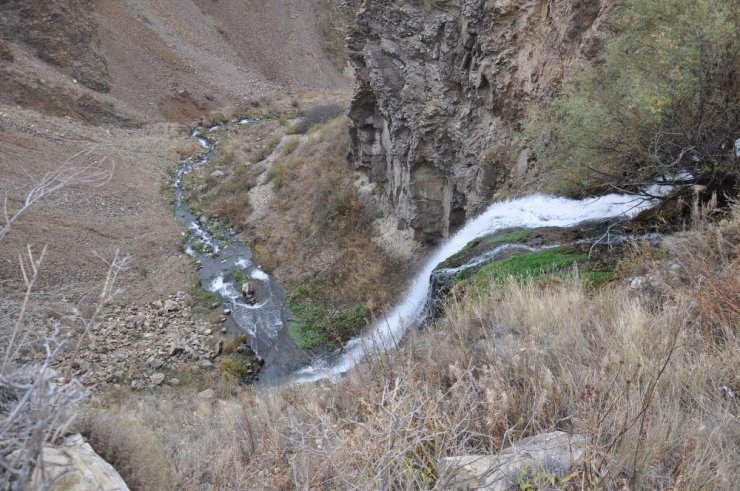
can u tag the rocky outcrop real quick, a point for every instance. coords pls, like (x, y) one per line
(145, 346)
(74, 465)
(442, 87)
(60, 33)
(548, 454)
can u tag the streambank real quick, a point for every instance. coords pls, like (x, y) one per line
(225, 262)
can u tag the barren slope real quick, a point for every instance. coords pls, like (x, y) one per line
(111, 73)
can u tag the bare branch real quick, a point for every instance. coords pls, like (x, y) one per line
(86, 167)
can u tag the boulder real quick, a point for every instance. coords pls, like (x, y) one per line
(171, 306)
(157, 379)
(554, 453)
(74, 465)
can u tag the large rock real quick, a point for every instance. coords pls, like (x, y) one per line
(74, 466)
(443, 86)
(553, 453)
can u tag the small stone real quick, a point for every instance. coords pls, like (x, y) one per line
(205, 364)
(207, 394)
(156, 362)
(171, 306)
(157, 379)
(138, 385)
(157, 304)
(217, 349)
(174, 382)
(224, 330)
(217, 174)
(175, 350)
(227, 311)
(208, 332)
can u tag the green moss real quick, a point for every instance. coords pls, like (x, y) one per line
(534, 264)
(512, 237)
(316, 323)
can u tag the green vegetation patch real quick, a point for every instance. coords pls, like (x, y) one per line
(662, 99)
(315, 322)
(478, 245)
(203, 300)
(239, 280)
(533, 264)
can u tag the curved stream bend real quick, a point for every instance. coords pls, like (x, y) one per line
(530, 212)
(264, 322)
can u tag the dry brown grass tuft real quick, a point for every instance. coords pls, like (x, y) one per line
(133, 449)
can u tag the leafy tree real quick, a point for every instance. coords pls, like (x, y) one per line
(660, 106)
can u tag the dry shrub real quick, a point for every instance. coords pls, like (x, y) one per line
(133, 449)
(317, 232)
(235, 206)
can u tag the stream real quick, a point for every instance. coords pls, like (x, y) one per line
(529, 212)
(266, 321)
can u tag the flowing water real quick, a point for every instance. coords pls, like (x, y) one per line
(265, 321)
(530, 212)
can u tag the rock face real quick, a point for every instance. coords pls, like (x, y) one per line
(74, 465)
(60, 32)
(442, 86)
(553, 453)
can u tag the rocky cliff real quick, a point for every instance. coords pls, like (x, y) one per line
(442, 88)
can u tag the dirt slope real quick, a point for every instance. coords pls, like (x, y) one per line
(112, 73)
(159, 59)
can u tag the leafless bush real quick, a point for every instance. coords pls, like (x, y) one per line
(37, 403)
(86, 167)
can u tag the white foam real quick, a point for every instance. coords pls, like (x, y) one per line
(258, 274)
(531, 211)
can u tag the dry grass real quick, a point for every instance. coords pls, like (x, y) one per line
(317, 237)
(648, 378)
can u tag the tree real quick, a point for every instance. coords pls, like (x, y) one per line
(661, 106)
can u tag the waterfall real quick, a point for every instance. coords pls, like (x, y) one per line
(530, 212)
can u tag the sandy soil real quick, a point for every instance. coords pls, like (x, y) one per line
(222, 54)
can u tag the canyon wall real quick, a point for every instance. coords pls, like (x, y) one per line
(442, 87)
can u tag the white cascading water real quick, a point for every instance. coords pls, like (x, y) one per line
(532, 211)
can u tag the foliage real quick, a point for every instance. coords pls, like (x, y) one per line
(236, 366)
(533, 264)
(316, 322)
(239, 279)
(662, 105)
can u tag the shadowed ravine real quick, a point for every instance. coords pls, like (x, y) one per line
(266, 322)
